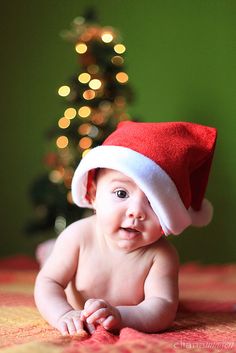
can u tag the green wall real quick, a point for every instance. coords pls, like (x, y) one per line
(181, 60)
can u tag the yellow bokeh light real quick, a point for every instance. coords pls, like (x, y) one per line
(84, 111)
(81, 48)
(62, 142)
(64, 91)
(117, 60)
(95, 83)
(85, 143)
(85, 152)
(89, 94)
(84, 129)
(63, 123)
(107, 37)
(119, 48)
(122, 77)
(70, 113)
(84, 77)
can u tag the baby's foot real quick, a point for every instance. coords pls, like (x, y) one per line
(43, 250)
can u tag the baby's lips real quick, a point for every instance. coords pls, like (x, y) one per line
(131, 229)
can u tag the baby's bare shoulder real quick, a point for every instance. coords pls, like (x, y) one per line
(165, 254)
(78, 231)
(63, 261)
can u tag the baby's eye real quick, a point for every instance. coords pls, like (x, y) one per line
(122, 194)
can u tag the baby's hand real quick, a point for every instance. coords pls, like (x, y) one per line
(100, 311)
(71, 324)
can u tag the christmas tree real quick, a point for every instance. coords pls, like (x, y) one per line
(96, 101)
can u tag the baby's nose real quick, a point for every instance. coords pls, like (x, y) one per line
(136, 210)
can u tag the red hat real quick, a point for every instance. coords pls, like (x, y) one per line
(170, 162)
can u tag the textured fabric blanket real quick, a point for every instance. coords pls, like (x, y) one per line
(206, 319)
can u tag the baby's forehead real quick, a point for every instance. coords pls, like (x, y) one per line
(113, 175)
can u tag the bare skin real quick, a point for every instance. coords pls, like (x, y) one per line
(113, 268)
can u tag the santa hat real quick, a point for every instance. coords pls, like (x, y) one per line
(170, 162)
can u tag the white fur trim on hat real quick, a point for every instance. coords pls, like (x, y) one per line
(203, 216)
(149, 176)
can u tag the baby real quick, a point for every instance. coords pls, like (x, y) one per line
(116, 268)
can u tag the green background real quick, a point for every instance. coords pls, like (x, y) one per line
(181, 60)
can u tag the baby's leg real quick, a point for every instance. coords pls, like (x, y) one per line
(43, 251)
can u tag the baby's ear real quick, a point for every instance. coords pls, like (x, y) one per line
(91, 194)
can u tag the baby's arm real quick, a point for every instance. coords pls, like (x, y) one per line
(52, 280)
(159, 307)
(157, 311)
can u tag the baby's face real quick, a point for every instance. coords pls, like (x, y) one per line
(123, 212)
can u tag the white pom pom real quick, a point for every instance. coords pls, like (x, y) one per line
(202, 217)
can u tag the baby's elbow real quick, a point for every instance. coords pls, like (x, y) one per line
(163, 318)
(168, 319)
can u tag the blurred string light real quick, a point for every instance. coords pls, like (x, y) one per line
(84, 111)
(122, 77)
(70, 113)
(55, 176)
(85, 152)
(117, 60)
(107, 37)
(64, 91)
(60, 224)
(85, 77)
(89, 94)
(94, 131)
(88, 129)
(62, 142)
(119, 48)
(84, 129)
(81, 48)
(95, 84)
(85, 142)
(63, 122)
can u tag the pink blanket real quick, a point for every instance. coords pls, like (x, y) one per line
(206, 320)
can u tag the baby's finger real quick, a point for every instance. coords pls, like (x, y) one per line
(100, 321)
(88, 303)
(84, 313)
(71, 327)
(63, 329)
(109, 322)
(91, 328)
(98, 314)
(94, 306)
(78, 324)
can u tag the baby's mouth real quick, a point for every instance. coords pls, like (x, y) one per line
(131, 230)
(129, 233)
